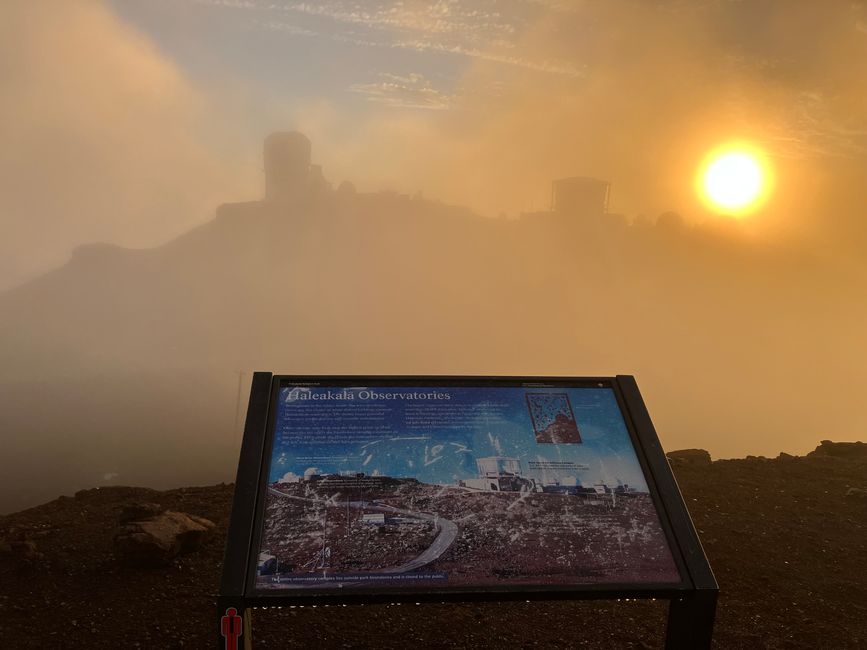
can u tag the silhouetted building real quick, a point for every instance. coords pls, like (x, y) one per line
(316, 180)
(287, 165)
(580, 196)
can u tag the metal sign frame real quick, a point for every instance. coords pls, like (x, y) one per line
(692, 607)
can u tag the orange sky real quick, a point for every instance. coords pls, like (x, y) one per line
(129, 123)
(140, 118)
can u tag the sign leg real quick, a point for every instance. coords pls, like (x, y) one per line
(690, 621)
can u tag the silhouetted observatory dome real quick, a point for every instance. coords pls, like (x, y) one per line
(287, 163)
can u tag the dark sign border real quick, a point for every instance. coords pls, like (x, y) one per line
(693, 599)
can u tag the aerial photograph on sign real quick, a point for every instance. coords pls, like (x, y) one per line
(468, 486)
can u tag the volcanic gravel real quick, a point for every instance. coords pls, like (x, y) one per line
(788, 547)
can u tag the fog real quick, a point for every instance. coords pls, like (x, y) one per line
(135, 309)
(104, 139)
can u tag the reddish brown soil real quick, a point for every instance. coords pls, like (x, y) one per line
(788, 548)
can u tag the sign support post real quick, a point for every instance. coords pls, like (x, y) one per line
(690, 621)
(690, 617)
(231, 602)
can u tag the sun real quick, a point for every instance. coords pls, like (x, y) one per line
(735, 179)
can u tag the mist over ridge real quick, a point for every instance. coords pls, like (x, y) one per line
(130, 366)
(132, 314)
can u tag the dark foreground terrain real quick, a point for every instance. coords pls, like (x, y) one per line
(787, 543)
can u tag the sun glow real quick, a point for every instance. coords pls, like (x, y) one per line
(735, 180)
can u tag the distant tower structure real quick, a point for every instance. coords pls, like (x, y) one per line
(580, 196)
(316, 180)
(287, 165)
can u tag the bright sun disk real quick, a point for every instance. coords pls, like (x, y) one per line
(734, 180)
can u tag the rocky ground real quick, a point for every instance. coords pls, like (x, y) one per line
(787, 538)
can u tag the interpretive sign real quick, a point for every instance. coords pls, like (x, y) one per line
(364, 489)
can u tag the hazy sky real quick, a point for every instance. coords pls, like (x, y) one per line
(128, 121)
(635, 92)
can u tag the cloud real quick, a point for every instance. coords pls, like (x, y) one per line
(404, 91)
(423, 45)
(474, 21)
(106, 140)
(287, 28)
(473, 30)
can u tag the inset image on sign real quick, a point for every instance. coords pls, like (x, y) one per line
(553, 421)
(456, 486)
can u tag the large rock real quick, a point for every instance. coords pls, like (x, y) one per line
(689, 457)
(159, 538)
(853, 450)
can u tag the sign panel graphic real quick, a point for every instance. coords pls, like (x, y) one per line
(552, 418)
(456, 486)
